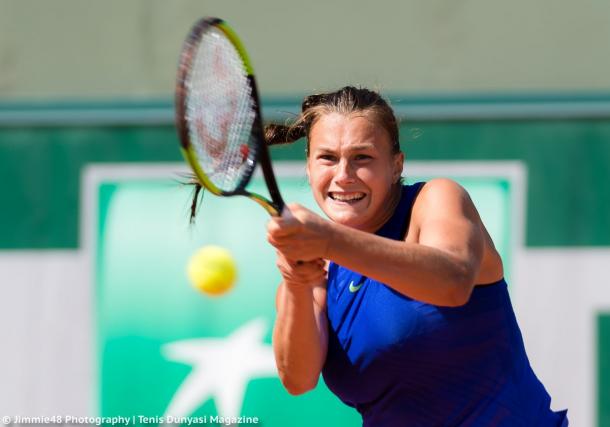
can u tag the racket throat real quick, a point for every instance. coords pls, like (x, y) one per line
(269, 207)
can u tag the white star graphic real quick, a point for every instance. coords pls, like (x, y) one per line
(222, 368)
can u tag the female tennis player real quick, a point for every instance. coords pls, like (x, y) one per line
(398, 298)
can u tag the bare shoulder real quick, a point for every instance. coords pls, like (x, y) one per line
(442, 185)
(443, 197)
(444, 208)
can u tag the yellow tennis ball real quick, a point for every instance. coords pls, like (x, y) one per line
(212, 270)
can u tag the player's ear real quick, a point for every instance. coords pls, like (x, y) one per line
(399, 160)
(307, 172)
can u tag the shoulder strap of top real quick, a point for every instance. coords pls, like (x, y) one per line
(396, 227)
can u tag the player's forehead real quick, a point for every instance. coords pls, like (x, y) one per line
(353, 132)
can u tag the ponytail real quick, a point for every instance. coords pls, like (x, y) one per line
(281, 134)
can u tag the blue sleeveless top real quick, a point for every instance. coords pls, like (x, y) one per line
(402, 362)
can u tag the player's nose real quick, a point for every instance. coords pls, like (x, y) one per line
(344, 173)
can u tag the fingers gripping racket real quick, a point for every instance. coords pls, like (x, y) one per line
(218, 114)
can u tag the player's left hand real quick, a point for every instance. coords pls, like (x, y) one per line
(299, 234)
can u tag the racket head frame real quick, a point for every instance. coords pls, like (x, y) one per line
(261, 154)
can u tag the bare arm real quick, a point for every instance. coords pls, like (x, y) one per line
(300, 333)
(439, 268)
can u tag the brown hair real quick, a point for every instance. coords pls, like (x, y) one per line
(347, 100)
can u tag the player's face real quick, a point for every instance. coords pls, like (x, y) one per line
(352, 170)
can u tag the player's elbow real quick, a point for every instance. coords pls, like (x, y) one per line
(298, 390)
(459, 297)
(298, 387)
(460, 292)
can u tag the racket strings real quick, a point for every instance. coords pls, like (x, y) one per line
(220, 111)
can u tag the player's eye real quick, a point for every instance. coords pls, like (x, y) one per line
(362, 157)
(327, 157)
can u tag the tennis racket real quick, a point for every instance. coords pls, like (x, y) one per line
(218, 114)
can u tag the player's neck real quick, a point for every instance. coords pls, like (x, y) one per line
(388, 208)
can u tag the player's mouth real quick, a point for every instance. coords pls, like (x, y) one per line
(346, 197)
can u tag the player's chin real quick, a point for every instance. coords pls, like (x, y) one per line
(355, 222)
(346, 214)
